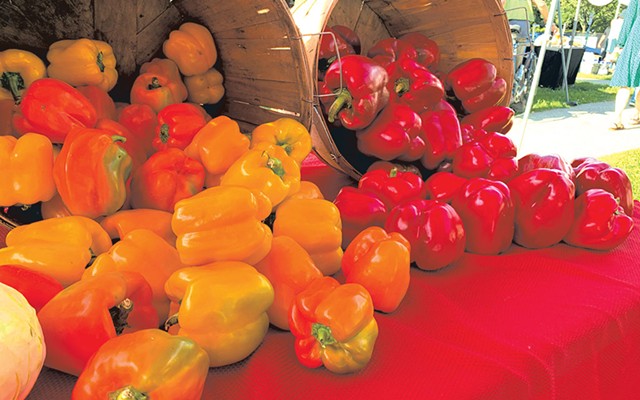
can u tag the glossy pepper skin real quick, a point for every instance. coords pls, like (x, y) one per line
(488, 215)
(119, 224)
(443, 186)
(83, 62)
(442, 134)
(18, 69)
(52, 107)
(594, 174)
(412, 83)
(334, 326)
(287, 133)
(427, 50)
(267, 170)
(177, 125)
(94, 153)
(140, 120)
(493, 119)
(37, 287)
(192, 48)
(156, 91)
(230, 325)
(27, 169)
(332, 44)
(205, 88)
(358, 210)
(290, 269)
(393, 187)
(396, 133)
(390, 50)
(600, 222)
(60, 247)
(146, 253)
(551, 161)
(380, 262)
(316, 225)
(476, 84)
(222, 223)
(217, 145)
(434, 230)
(544, 202)
(363, 93)
(169, 69)
(487, 155)
(85, 315)
(167, 177)
(149, 363)
(103, 103)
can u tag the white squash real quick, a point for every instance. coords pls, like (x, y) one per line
(22, 348)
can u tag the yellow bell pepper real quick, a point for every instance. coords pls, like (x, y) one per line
(83, 62)
(191, 46)
(267, 170)
(118, 225)
(27, 169)
(222, 223)
(316, 225)
(287, 133)
(308, 190)
(18, 69)
(217, 145)
(142, 251)
(222, 307)
(59, 247)
(54, 208)
(205, 88)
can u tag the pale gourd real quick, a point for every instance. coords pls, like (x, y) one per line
(22, 348)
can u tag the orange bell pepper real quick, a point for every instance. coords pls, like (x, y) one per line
(83, 62)
(27, 169)
(118, 225)
(140, 120)
(290, 270)
(191, 46)
(229, 325)
(60, 247)
(90, 172)
(222, 223)
(147, 364)
(54, 208)
(103, 103)
(308, 190)
(156, 90)
(18, 69)
(334, 326)
(316, 225)
(168, 68)
(217, 145)
(380, 262)
(141, 251)
(206, 88)
(131, 144)
(267, 170)
(287, 133)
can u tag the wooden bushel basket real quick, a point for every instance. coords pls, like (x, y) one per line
(463, 29)
(261, 55)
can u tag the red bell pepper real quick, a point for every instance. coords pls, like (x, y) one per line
(177, 125)
(85, 315)
(157, 90)
(600, 222)
(334, 326)
(103, 103)
(485, 156)
(488, 215)
(476, 83)
(388, 166)
(38, 288)
(427, 50)
(52, 107)
(434, 230)
(395, 134)
(389, 50)
(594, 174)
(491, 97)
(393, 187)
(380, 262)
(349, 35)
(442, 134)
(358, 210)
(131, 144)
(140, 120)
(544, 202)
(492, 119)
(551, 161)
(442, 186)
(413, 84)
(167, 177)
(362, 95)
(332, 43)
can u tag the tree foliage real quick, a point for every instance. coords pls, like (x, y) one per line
(602, 16)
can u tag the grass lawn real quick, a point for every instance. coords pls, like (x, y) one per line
(629, 162)
(582, 92)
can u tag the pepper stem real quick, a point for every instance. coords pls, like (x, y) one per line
(164, 133)
(274, 165)
(171, 321)
(100, 61)
(118, 138)
(343, 100)
(13, 82)
(402, 86)
(323, 334)
(155, 84)
(394, 172)
(128, 393)
(120, 313)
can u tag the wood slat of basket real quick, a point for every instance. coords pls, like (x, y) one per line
(148, 43)
(116, 22)
(225, 16)
(149, 10)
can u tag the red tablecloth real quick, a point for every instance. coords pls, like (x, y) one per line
(555, 323)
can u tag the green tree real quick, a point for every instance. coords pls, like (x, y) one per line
(602, 16)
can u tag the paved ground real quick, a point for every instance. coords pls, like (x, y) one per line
(574, 132)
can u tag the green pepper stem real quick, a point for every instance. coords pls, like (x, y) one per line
(118, 138)
(323, 334)
(13, 82)
(402, 86)
(393, 173)
(164, 133)
(127, 393)
(120, 313)
(274, 165)
(343, 100)
(171, 321)
(100, 61)
(155, 84)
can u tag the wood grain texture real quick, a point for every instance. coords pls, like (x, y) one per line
(115, 23)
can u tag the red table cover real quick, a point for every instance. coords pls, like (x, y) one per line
(554, 323)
